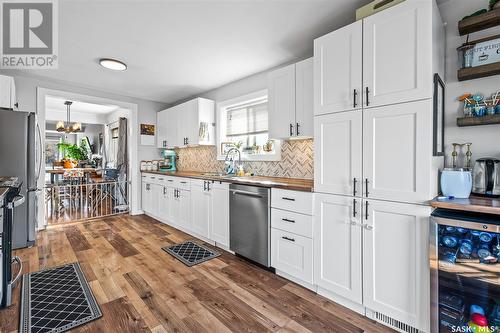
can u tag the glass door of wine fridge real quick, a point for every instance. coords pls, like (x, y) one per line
(465, 272)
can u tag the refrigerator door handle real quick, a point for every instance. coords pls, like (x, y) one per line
(40, 154)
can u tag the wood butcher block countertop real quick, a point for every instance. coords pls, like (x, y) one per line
(295, 184)
(472, 204)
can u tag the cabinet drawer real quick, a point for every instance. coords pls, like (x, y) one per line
(299, 224)
(295, 201)
(182, 183)
(292, 254)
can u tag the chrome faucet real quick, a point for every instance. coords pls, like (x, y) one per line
(239, 159)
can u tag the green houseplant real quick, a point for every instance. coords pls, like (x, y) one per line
(73, 152)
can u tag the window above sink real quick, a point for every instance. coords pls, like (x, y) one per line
(243, 124)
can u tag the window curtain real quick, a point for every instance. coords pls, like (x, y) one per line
(122, 160)
(247, 119)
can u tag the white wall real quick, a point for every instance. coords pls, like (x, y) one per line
(485, 139)
(26, 95)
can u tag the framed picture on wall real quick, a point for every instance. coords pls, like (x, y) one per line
(147, 134)
(438, 116)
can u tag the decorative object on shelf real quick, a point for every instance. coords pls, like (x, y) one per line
(226, 146)
(456, 182)
(438, 114)
(67, 126)
(480, 20)
(147, 134)
(486, 52)
(477, 106)
(468, 154)
(269, 146)
(494, 4)
(465, 54)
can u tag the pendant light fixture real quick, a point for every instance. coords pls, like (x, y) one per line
(67, 126)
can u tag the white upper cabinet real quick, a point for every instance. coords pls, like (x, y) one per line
(187, 124)
(397, 152)
(304, 100)
(395, 262)
(161, 129)
(398, 53)
(338, 70)
(7, 92)
(338, 153)
(337, 245)
(290, 100)
(281, 101)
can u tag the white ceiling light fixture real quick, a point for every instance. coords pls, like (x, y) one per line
(113, 64)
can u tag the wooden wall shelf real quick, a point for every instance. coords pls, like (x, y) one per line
(478, 71)
(480, 22)
(477, 121)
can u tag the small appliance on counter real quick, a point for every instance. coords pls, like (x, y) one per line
(486, 177)
(456, 182)
(168, 162)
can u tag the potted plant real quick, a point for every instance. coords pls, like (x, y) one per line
(72, 153)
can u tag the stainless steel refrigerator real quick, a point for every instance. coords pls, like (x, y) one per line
(20, 156)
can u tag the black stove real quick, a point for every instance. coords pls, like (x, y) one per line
(11, 199)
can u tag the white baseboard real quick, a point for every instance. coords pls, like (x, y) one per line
(137, 212)
(359, 308)
(304, 284)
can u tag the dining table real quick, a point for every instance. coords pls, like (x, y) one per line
(55, 173)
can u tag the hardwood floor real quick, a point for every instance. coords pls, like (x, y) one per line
(140, 288)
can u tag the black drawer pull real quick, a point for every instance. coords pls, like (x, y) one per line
(288, 220)
(288, 239)
(183, 182)
(289, 199)
(170, 180)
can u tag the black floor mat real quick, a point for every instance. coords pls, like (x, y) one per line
(56, 300)
(191, 253)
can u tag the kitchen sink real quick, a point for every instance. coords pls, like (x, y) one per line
(217, 174)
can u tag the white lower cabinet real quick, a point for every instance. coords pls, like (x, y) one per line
(181, 211)
(371, 254)
(395, 261)
(219, 213)
(337, 245)
(200, 209)
(292, 254)
(146, 196)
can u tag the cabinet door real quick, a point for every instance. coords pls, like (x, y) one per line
(184, 202)
(397, 63)
(171, 126)
(397, 151)
(281, 101)
(173, 207)
(338, 152)
(163, 204)
(292, 254)
(191, 122)
(337, 70)
(154, 198)
(395, 261)
(200, 210)
(161, 129)
(7, 93)
(146, 202)
(337, 245)
(304, 109)
(219, 214)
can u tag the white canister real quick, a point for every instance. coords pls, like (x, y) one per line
(456, 182)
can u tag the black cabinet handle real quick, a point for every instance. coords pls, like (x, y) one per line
(187, 141)
(354, 203)
(208, 185)
(169, 180)
(291, 129)
(183, 182)
(204, 185)
(297, 128)
(355, 103)
(288, 239)
(366, 187)
(367, 92)
(288, 220)
(354, 181)
(164, 190)
(366, 210)
(289, 199)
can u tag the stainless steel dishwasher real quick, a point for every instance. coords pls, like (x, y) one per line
(249, 222)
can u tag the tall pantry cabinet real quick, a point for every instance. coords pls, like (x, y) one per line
(374, 165)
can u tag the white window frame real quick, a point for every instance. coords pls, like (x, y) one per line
(221, 115)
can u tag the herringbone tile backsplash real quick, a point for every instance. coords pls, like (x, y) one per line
(296, 161)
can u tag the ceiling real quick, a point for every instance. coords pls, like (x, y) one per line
(56, 104)
(176, 49)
